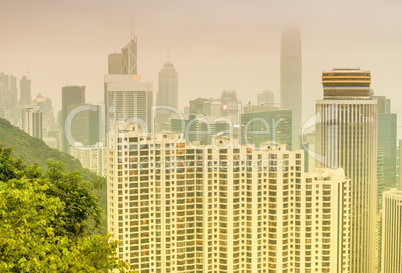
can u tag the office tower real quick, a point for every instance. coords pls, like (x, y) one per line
(48, 119)
(291, 78)
(72, 97)
(261, 126)
(346, 138)
(31, 122)
(129, 57)
(387, 139)
(114, 63)
(167, 94)
(85, 126)
(127, 98)
(179, 209)
(9, 98)
(168, 86)
(392, 232)
(266, 97)
(25, 91)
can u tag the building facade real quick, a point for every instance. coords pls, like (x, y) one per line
(126, 97)
(392, 232)
(25, 91)
(71, 97)
(291, 78)
(346, 137)
(91, 158)
(31, 121)
(176, 208)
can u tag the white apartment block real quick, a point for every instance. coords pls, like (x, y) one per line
(177, 208)
(91, 158)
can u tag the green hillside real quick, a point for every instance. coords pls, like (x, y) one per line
(33, 150)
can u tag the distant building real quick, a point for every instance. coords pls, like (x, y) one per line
(32, 121)
(25, 91)
(291, 78)
(126, 97)
(92, 158)
(167, 94)
(259, 127)
(387, 139)
(72, 97)
(9, 98)
(85, 126)
(266, 97)
(129, 57)
(114, 63)
(48, 120)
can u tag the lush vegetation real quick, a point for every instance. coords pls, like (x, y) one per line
(34, 151)
(50, 221)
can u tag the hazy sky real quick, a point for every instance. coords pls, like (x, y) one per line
(214, 45)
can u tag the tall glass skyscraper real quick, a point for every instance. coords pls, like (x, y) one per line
(346, 137)
(291, 79)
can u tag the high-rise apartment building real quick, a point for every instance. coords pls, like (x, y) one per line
(291, 78)
(176, 208)
(392, 232)
(25, 91)
(71, 97)
(346, 137)
(91, 157)
(31, 121)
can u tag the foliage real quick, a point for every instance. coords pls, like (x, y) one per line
(34, 151)
(48, 221)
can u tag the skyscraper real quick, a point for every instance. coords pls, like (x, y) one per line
(31, 121)
(25, 91)
(126, 97)
(266, 97)
(392, 232)
(176, 208)
(72, 97)
(168, 86)
(346, 137)
(291, 79)
(129, 57)
(9, 98)
(167, 94)
(387, 139)
(114, 63)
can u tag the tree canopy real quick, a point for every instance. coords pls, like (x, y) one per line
(50, 221)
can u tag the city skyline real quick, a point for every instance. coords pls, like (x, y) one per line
(251, 43)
